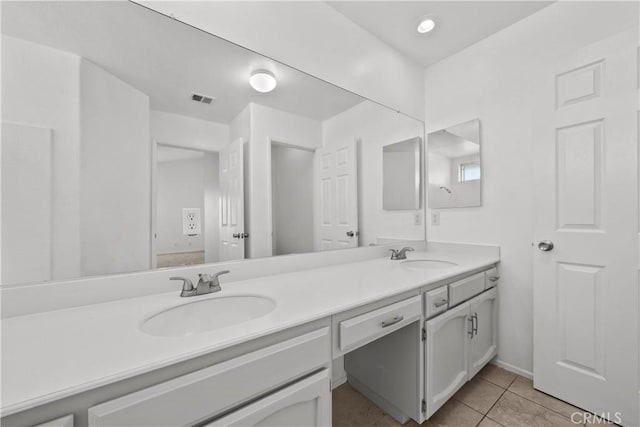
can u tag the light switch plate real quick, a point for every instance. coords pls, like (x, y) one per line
(191, 223)
(417, 218)
(435, 218)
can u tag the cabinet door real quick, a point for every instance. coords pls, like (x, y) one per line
(305, 403)
(447, 355)
(483, 310)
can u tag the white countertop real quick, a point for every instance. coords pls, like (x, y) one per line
(55, 354)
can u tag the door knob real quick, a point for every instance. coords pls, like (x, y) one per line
(350, 233)
(236, 235)
(244, 235)
(545, 245)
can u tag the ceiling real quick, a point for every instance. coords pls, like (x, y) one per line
(169, 60)
(450, 145)
(458, 23)
(168, 154)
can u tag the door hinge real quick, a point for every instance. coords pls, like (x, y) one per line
(424, 334)
(424, 405)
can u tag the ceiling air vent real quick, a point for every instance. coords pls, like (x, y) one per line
(202, 98)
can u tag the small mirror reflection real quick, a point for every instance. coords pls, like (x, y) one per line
(455, 168)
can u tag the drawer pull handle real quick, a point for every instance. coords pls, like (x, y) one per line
(393, 321)
(441, 303)
(494, 278)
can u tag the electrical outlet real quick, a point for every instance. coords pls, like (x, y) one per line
(417, 218)
(191, 224)
(435, 218)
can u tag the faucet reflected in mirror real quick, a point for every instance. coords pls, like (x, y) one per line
(134, 165)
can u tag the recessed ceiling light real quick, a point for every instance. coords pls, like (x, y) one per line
(263, 81)
(426, 25)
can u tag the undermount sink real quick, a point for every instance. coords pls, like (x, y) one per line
(206, 315)
(431, 264)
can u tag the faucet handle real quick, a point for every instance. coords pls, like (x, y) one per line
(220, 273)
(187, 285)
(212, 279)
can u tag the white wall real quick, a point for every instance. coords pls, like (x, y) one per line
(495, 80)
(315, 38)
(115, 174)
(180, 184)
(183, 131)
(373, 127)
(40, 88)
(267, 125)
(292, 200)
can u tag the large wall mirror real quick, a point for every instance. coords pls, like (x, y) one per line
(455, 167)
(131, 141)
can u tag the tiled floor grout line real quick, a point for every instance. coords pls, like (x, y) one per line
(504, 390)
(539, 404)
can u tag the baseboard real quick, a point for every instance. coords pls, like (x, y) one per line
(509, 367)
(337, 382)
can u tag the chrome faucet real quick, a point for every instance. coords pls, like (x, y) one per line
(207, 283)
(400, 253)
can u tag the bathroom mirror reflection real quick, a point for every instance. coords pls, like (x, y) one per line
(455, 167)
(131, 141)
(401, 174)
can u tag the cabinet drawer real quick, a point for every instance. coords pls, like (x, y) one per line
(492, 278)
(436, 301)
(367, 327)
(466, 288)
(203, 394)
(305, 403)
(59, 422)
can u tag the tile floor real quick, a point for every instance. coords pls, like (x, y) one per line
(493, 398)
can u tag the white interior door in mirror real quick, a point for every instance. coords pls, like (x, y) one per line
(232, 233)
(336, 169)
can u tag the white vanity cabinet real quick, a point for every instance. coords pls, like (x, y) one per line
(458, 344)
(484, 344)
(446, 356)
(283, 384)
(305, 403)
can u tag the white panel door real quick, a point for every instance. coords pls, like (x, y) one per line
(232, 233)
(305, 403)
(26, 203)
(446, 355)
(483, 344)
(586, 183)
(336, 171)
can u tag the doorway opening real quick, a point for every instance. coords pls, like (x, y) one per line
(292, 183)
(186, 206)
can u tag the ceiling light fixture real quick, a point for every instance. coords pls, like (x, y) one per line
(263, 81)
(426, 25)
